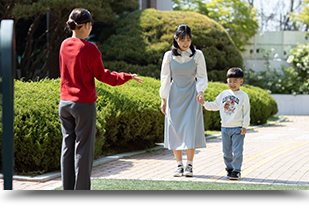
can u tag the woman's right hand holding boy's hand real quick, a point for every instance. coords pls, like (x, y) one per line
(200, 98)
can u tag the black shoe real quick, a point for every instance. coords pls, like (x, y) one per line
(179, 171)
(235, 175)
(229, 172)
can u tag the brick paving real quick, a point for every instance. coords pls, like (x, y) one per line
(277, 154)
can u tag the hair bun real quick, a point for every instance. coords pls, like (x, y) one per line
(71, 24)
(77, 18)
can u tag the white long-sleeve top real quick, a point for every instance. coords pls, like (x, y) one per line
(234, 108)
(201, 71)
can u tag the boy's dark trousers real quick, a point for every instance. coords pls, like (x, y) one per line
(78, 125)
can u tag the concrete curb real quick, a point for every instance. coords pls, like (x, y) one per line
(50, 176)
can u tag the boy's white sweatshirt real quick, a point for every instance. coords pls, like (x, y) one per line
(234, 108)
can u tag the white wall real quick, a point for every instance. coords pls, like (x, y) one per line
(292, 105)
(258, 65)
(280, 41)
(164, 4)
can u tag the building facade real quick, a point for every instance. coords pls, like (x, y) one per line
(279, 42)
(156, 4)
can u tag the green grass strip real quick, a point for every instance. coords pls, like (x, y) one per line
(125, 184)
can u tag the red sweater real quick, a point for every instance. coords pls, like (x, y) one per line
(80, 63)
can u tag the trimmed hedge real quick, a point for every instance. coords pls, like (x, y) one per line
(142, 37)
(128, 119)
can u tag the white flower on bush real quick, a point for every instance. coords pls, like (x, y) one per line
(290, 59)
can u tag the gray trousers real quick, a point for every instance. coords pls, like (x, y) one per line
(78, 126)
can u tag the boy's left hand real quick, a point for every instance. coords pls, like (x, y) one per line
(243, 131)
(200, 98)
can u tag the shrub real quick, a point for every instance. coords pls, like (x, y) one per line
(132, 115)
(37, 137)
(143, 36)
(149, 70)
(288, 80)
(299, 57)
(128, 119)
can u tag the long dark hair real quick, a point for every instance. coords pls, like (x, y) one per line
(77, 17)
(180, 32)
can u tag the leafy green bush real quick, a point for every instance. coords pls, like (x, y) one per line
(132, 115)
(288, 80)
(37, 137)
(128, 119)
(143, 36)
(149, 70)
(299, 57)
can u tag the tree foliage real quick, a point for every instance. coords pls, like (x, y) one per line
(275, 15)
(303, 15)
(236, 16)
(143, 36)
(38, 43)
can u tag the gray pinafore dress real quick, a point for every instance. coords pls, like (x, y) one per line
(184, 123)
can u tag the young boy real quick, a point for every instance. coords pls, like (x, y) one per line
(234, 109)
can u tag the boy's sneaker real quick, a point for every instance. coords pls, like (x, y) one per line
(235, 176)
(179, 171)
(189, 171)
(229, 172)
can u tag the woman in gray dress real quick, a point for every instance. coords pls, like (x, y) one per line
(180, 98)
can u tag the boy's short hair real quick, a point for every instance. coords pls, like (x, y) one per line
(235, 73)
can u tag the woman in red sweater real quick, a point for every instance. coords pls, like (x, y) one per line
(80, 64)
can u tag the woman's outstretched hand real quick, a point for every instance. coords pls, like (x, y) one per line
(139, 80)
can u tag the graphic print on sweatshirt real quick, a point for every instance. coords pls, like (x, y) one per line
(230, 103)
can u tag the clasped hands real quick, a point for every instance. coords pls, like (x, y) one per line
(199, 98)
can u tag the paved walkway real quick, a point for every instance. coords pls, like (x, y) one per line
(277, 154)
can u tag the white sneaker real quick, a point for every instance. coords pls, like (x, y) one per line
(179, 171)
(189, 171)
